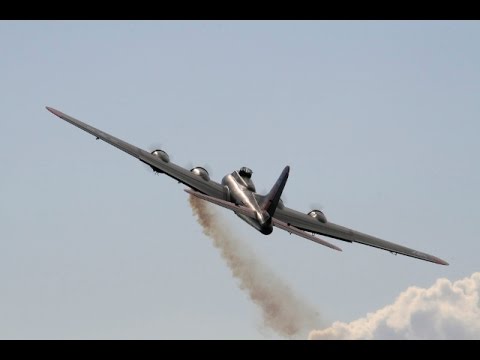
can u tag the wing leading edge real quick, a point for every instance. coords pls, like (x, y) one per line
(307, 223)
(182, 175)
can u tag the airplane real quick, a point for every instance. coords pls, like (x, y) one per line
(237, 192)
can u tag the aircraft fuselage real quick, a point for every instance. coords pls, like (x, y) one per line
(241, 191)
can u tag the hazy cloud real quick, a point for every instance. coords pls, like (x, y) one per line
(446, 310)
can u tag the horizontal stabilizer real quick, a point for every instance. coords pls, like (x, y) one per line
(226, 204)
(294, 230)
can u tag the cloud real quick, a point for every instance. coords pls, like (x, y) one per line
(446, 310)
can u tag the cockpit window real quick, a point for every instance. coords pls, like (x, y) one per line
(244, 171)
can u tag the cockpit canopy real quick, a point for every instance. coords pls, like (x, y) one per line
(245, 172)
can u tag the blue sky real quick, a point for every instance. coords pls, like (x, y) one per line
(378, 121)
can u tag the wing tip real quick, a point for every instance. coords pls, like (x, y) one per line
(335, 247)
(441, 262)
(53, 111)
(327, 244)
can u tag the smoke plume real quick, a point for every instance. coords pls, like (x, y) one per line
(446, 310)
(281, 309)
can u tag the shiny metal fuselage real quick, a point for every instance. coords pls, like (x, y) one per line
(241, 191)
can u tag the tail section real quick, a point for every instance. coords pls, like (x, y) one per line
(270, 202)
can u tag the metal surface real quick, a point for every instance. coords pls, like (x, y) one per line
(319, 215)
(200, 171)
(237, 193)
(161, 155)
(241, 194)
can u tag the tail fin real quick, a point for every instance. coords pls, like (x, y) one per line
(270, 202)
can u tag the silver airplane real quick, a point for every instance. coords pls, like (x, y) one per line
(237, 193)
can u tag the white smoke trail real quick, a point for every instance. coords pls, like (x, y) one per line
(281, 309)
(446, 310)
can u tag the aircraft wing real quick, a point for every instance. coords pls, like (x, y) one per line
(180, 174)
(308, 223)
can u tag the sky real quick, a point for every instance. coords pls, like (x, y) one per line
(378, 121)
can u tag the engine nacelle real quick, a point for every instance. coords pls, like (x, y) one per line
(162, 155)
(317, 214)
(200, 171)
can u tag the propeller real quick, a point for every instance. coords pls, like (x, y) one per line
(284, 199)
(153, 146)
(207, 167)
(316, 206)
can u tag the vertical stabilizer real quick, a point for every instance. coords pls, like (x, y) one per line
(270, 202)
